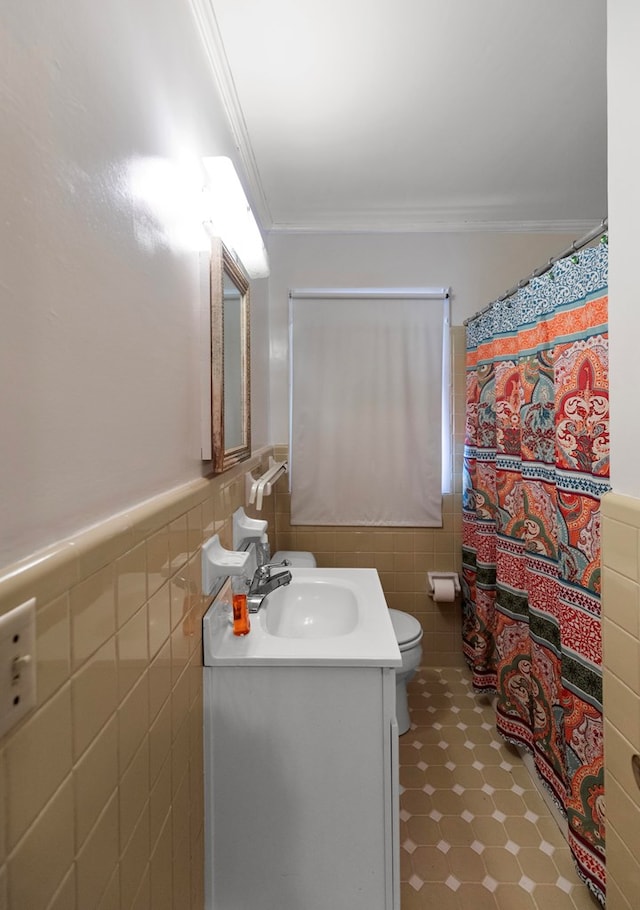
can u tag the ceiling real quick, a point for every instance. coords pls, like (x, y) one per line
(403, 115)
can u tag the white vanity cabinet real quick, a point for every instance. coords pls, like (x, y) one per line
(301, 749)
(301, 788)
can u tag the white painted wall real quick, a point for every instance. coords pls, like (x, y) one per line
(107, 109)
(623, 35)
(477, 266)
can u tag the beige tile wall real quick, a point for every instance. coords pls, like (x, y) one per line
(621, 672)
(402, 556)
(101, 796)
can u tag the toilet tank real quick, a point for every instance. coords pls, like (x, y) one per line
(300, 558)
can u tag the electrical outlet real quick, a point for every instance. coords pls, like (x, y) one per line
(17, 664)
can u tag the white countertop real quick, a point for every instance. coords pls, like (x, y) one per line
(372, 642)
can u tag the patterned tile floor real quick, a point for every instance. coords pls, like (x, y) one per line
(475, 833)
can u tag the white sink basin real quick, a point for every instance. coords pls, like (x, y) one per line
(311, 609)
(324, 617)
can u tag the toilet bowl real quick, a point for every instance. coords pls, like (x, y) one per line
(409, 637)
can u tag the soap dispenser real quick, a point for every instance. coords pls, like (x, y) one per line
(219, 564)
(241, 622)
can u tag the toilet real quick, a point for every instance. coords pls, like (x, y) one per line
(408, 633)
(409, 637)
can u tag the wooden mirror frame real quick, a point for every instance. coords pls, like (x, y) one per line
(223, 263)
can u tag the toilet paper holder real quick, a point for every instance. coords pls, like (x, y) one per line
(442, 576)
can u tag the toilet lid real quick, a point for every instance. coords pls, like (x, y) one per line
(407, 628)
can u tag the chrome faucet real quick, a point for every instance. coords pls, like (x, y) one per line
(263, 583)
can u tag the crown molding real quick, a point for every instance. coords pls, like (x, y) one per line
(394, 226)
(217, 56)
(396, 221)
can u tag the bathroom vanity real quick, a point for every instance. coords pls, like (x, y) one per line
(301, 750)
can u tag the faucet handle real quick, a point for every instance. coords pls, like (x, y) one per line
(265, 571)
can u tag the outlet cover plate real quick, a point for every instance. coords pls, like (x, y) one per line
(17, 664)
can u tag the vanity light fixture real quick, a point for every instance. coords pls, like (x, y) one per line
(229, 216)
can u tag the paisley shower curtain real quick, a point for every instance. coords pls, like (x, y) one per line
(535, 466)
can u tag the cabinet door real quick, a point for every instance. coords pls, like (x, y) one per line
(298, 805)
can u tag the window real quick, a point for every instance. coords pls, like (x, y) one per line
(367, 408)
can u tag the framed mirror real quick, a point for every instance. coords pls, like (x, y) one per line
(230, 359)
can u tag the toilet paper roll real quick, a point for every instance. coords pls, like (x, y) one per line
(443, 590)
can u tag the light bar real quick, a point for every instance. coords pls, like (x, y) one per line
(229, 216)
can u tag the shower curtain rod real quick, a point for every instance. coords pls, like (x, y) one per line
(593, 234)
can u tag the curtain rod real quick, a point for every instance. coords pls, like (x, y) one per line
(593, 234)
(357, 293)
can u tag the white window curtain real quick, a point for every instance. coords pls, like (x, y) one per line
(366, 407)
